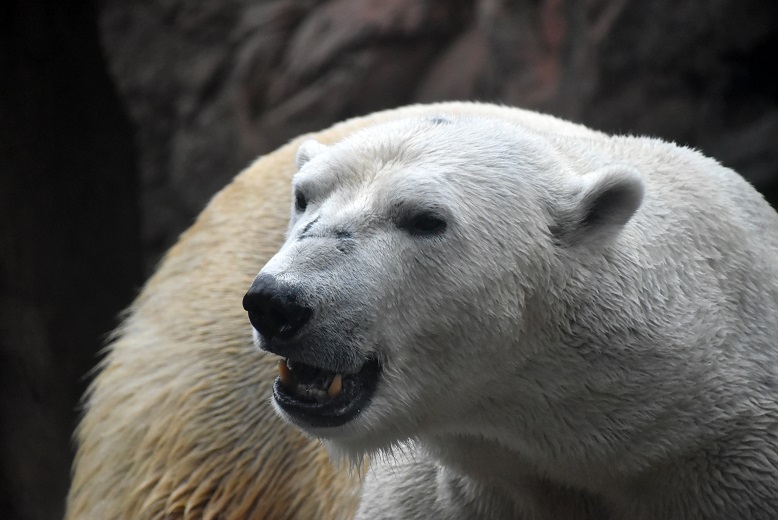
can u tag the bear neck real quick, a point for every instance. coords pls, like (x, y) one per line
(598, 409)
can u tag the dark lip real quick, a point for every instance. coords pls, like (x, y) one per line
(338, 411)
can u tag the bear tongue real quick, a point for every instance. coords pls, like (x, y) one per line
(311, 392)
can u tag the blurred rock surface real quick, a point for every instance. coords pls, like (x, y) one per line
(70, 253)
(211, 85)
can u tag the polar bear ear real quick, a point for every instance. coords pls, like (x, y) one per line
(605, 201)
(309, 149)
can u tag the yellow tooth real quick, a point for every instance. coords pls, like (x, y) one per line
(336, 386)
(283, 372)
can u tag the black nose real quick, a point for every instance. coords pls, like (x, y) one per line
(274, 309)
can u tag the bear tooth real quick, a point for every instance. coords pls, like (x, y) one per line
(336, 386)
(283, 373)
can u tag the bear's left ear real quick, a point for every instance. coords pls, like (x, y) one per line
(603, 203)
(309, 149)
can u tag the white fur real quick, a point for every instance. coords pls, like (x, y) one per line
(594, 335)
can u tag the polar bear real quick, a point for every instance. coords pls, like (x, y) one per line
(523, 318)
(178, 422)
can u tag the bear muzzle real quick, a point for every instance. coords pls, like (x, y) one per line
(316, 386)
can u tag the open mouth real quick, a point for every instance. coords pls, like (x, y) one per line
(319, 397)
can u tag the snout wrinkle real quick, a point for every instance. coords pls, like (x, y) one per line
(345, 239)
(307, 228)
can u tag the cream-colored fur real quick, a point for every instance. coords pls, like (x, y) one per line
(178, 423)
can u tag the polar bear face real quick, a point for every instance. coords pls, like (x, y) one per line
(414, 270)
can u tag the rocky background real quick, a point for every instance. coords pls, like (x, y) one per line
(119, 120)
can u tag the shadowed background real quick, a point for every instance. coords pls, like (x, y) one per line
(119, 120)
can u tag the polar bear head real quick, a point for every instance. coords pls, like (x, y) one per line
(418, 263)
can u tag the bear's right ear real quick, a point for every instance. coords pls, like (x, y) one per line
(309, 149)
(602, 204)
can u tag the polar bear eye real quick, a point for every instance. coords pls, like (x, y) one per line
(300, 202)
(423, 224)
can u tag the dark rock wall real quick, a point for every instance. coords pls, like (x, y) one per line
(209, 86)
(70, 254)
